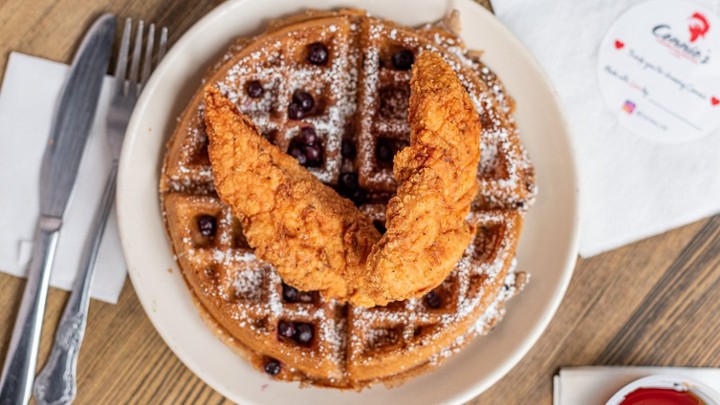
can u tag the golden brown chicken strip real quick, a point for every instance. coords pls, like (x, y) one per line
(316, 239)
(426, 227)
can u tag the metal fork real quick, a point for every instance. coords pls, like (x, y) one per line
(57, 382)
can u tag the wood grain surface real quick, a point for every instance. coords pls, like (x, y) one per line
(650, 303)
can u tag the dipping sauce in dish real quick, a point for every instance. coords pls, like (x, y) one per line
(665, 390)
(661, 396)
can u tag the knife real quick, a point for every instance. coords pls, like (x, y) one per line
(71, 126)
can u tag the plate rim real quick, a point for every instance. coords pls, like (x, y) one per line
(460, 396)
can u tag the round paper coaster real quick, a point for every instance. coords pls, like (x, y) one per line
(659, 70)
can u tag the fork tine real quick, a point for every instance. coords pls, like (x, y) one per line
(121, 64)
(137, 52)
(163, 45)
(147, 62)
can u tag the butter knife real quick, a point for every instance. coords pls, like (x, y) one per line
(71, 126)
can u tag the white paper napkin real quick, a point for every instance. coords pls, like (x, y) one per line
(28, 98)
(631, 187)
(596, 385)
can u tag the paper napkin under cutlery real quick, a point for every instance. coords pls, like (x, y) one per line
(631, 187)
(596, 385)
(28, 97)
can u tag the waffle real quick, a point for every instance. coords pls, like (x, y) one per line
(359, 114)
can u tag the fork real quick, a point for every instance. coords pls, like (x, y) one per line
(57, 382)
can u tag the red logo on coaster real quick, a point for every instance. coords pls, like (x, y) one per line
(619, 44)
(714, 100)
(698, 27)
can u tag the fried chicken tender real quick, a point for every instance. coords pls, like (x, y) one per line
(427, 230)
(316, 239)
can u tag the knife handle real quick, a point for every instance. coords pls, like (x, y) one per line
(19, 369)
(57, 382)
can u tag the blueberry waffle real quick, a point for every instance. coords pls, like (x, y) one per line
(331, 89)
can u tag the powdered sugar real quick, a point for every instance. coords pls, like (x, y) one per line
(465, 288)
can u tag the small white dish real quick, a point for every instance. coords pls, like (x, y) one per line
(676, 383)
(548, 245)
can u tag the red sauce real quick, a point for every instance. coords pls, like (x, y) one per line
(661, 396)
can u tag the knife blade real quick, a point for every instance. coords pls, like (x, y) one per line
(69, 132)
(74, 117)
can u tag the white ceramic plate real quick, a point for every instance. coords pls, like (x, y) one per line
(547, 248)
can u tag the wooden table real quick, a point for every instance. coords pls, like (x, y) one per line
(650, 303)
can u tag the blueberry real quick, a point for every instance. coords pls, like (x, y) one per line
(317, 54)
(295, 111)
(286, 329)
(358, 197)
(433, 300)
(313, 154)
(254, 89)
(386, 149)
(304, 333)
(403, 60)
(299, 155)
(384, 153)
(309, 136)
(207, 225)
(306, 148)
(349, 187)
(304, 99)
(272, 367)
(349, 181)
(380, 226)
(348, 149)
(289, 293)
